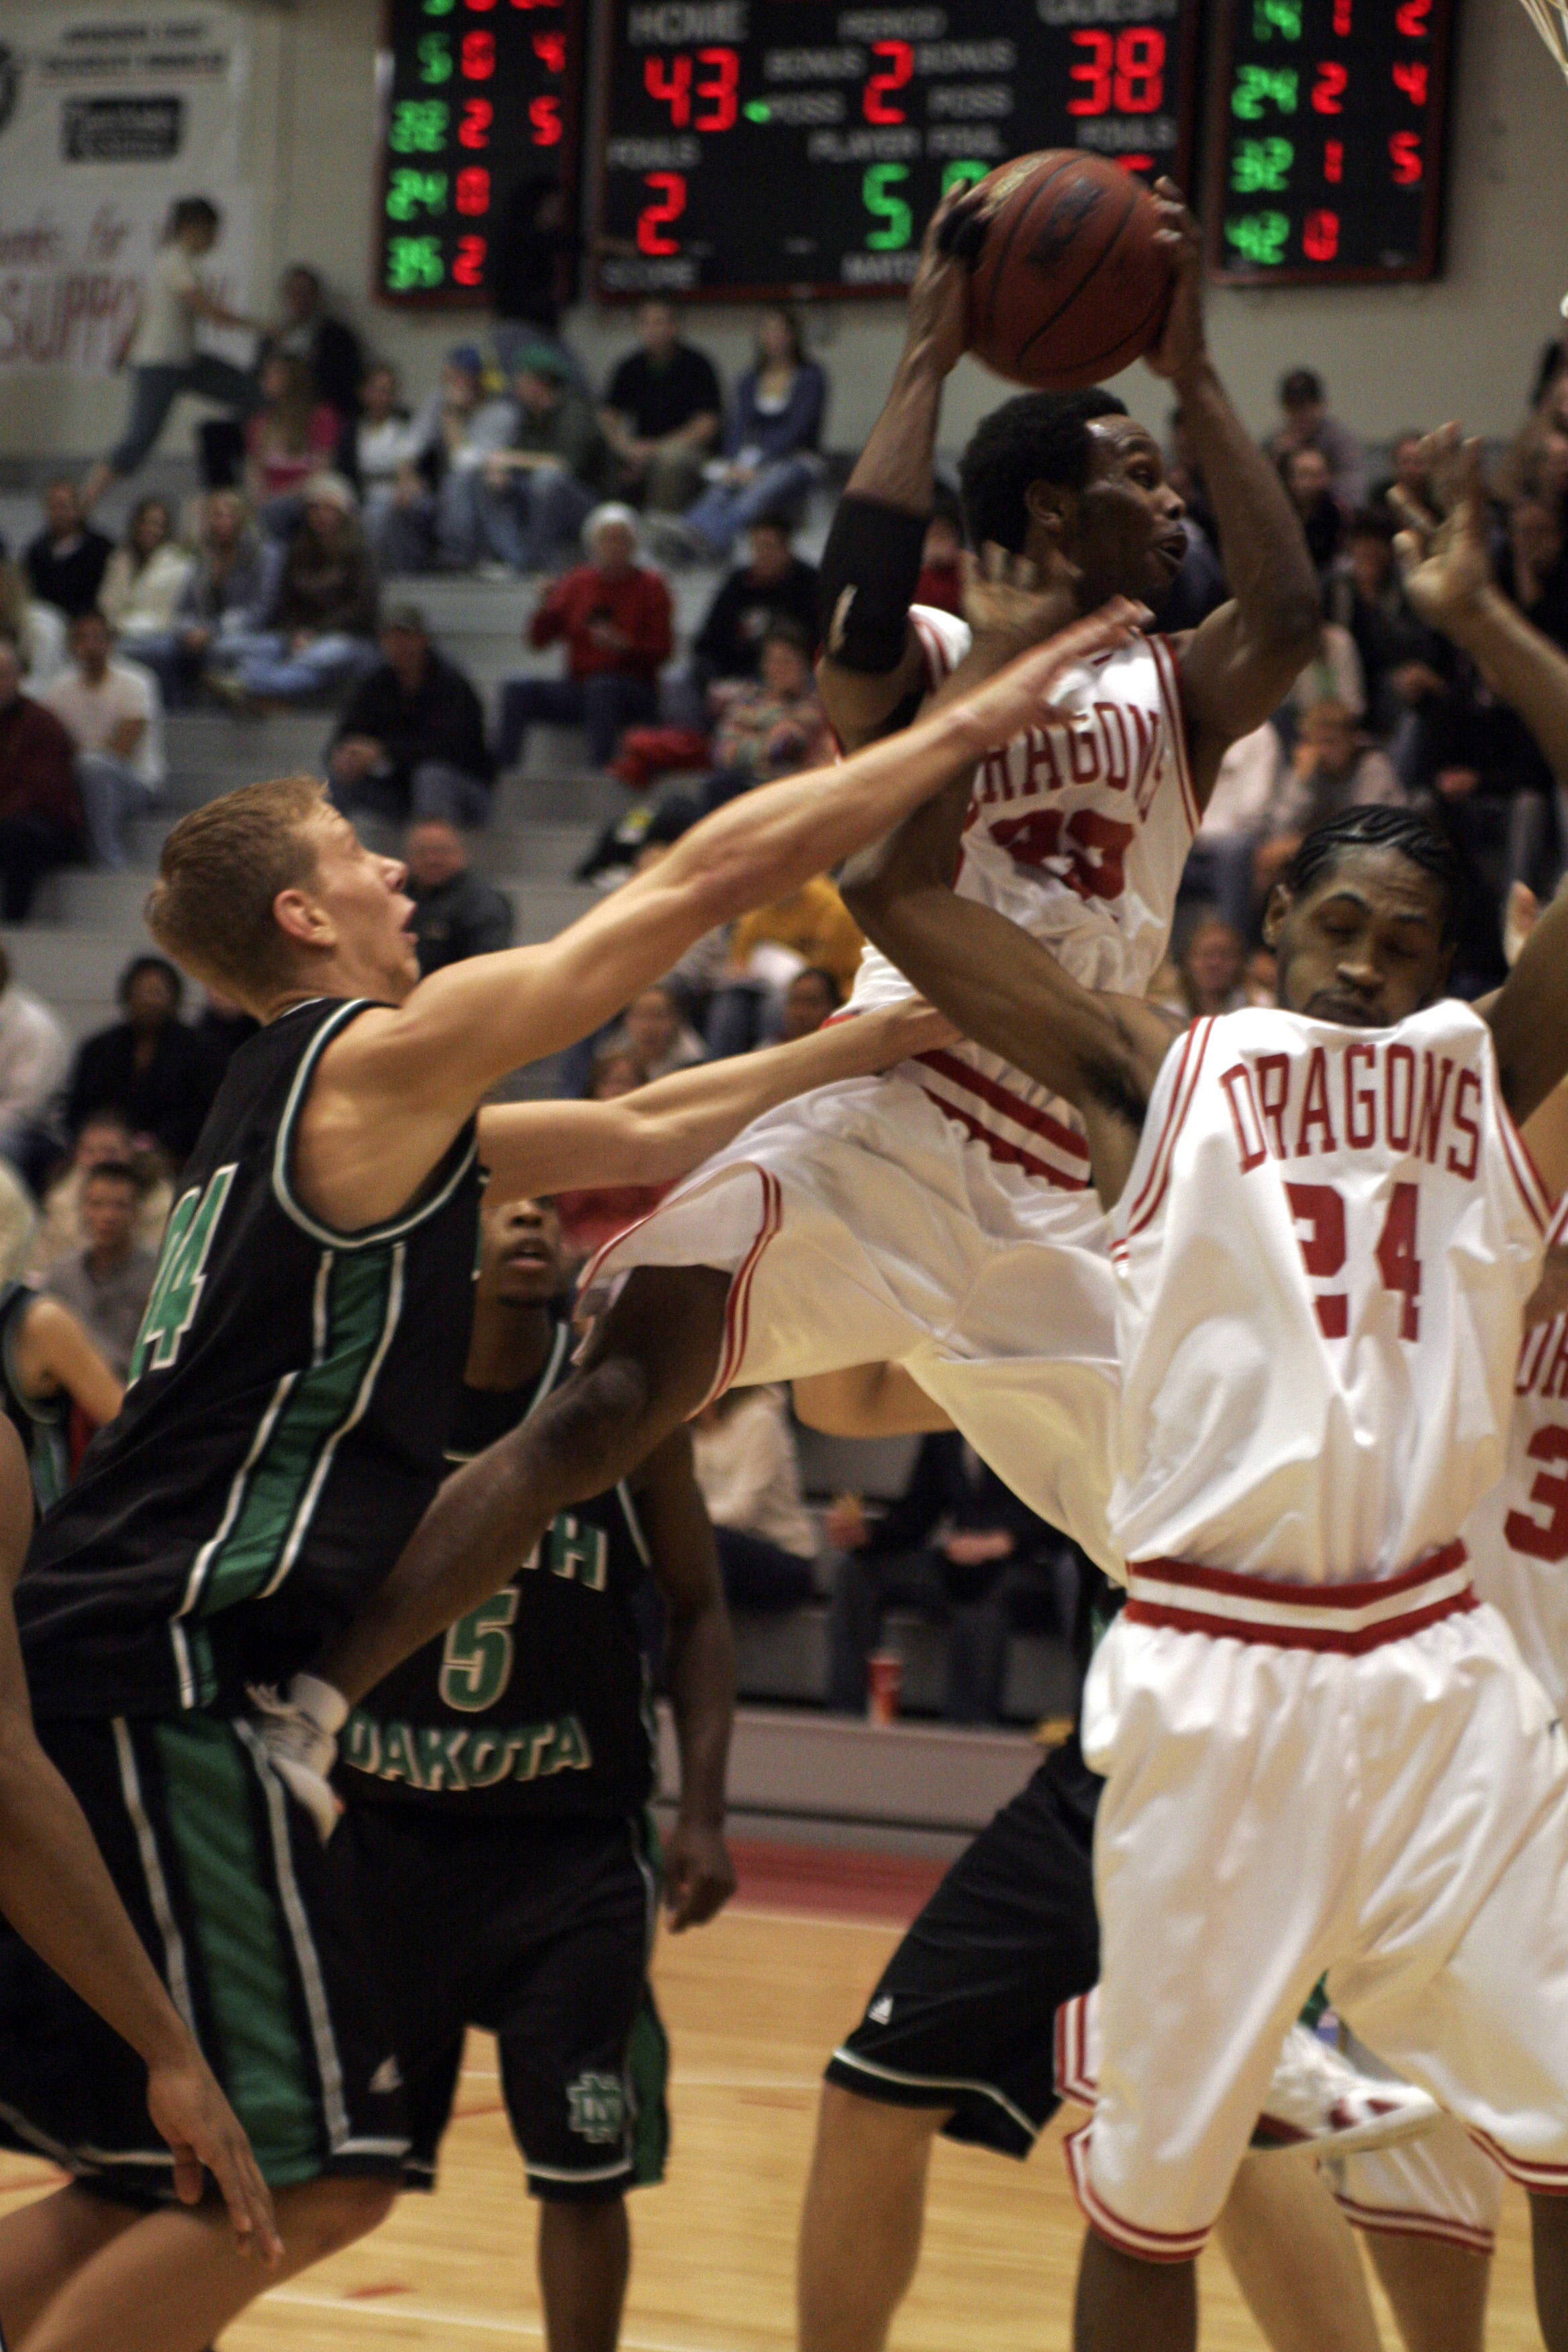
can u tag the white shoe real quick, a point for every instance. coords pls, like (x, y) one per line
(299, 1735)
(1318, 2095)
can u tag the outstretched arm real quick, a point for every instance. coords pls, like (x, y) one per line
(663, 1130)
(57, 1895)
(395, 1087)
(1448, 578)
(1001, 988)
(1240, 664)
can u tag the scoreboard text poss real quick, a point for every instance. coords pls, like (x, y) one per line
(477, 95)
(1328, 149)
(758, 147)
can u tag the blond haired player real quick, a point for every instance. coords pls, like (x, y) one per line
(1322, 1750)
(282, 1432)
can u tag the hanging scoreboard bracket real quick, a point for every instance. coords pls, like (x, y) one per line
(760, 150)
(473, 97)
(1328, 122)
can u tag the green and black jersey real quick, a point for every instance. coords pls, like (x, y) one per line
(537, 1702)
(42, 1423)
(289, 1403)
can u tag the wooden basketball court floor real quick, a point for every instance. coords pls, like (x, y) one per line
(754, 2003)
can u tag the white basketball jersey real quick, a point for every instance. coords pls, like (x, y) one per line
(1077, 832)
(1323, 1251)
(1517, 1537)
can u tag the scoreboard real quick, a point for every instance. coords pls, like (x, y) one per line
(476, 96)
(1327, 147)
(760, 149)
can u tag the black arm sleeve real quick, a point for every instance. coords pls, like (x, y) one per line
(865, 584)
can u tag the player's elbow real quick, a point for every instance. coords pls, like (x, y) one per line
(1295, 622)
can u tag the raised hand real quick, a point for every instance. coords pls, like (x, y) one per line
(1442, 554)
(1006, 597)
(938, 322)
(1019, 697)
(1181, 346)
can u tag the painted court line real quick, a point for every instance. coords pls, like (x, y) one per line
(681, 2081)
(478, 2322)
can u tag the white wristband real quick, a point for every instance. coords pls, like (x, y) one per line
(325, 1706)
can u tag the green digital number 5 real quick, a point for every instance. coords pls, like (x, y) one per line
(477, 1660)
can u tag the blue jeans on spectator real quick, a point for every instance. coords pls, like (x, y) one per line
(720, 515)
(531, 518)
(436, 789)
(265, 663)
(111, 790)
(154, 389)
(602, 704)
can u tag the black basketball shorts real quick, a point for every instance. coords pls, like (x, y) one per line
(963, 2014)
(539, 1931)
(224, 1879)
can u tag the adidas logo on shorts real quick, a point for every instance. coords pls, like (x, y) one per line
(388, 2076)
(881, 2011)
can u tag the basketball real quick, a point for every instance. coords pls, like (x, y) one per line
(1069, 286)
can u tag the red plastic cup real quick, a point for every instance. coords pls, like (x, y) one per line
(884, 1685)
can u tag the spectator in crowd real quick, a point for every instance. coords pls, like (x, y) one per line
(772, 584)
(231, 585)
(113, 713)
(1334, 768)
(411, 739)
(40, 810)
(744, 1457)
(145, 578)
(306, 329)
(765, 726)
(1409, 475)
(812, 997)
(1307, 425)
(1212, 968)
(147, 1068)
(34, 1059)
(165, 361)
(532, 245)
(533, 496)
(956, 1548)
(453, 432)
(66, 562)
(291, 436)
(103, 1136)
(1535, 570)
(1333, 675)
(941, 581)
(386, 449)
(810, 926)
(1308, 480)
(613, 616)
(36, 631)
(661, 415)
(652, 1031)
(221, 1028)
(1221, 868)
(319, 630)
(108, 1282)
(770, 459)
(454, 914)
(1399, 656)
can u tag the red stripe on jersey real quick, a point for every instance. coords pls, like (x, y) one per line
(1403, 2224)
(1363, 1594)
(1526, 1175)
(1170, 680)
(1002, 1099)
(1343, 1640)
(1550, 2177)
(738, 1306)
(1149, 2245)
(1011, 1155)
(1188, 1072)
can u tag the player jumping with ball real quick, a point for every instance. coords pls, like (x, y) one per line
(888, 1219)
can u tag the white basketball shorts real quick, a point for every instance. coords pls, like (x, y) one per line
(859, 1226)
(1440, 2185)
(1369, 1787)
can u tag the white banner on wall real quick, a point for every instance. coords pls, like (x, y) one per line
(106, 116)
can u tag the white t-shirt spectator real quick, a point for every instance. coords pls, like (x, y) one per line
(1245, 788)
(750, 1476)
(89, 714)
(166, 332)
(34, 1058)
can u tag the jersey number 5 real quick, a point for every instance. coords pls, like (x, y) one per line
(182, 1273)
(1545, 1539)
(477, 1659)
(1320, 1213)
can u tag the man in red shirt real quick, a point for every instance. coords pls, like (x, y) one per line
(40, 814)
(615, 618)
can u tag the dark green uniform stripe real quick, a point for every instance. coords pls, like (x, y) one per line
(209, 1798)
(320, 1402)
(647, 2050)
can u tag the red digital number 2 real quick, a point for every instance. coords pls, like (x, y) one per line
(899, 70)
(671, 187)
(1320, 1208)
(1545, 1539)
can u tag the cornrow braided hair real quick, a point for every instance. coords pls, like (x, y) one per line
(1412, 835)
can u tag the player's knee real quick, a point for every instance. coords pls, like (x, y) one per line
(854, 2128)
(329, 2215)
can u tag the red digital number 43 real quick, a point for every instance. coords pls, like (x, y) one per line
(1320, 1213)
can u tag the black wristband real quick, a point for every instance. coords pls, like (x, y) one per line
(866, 583)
